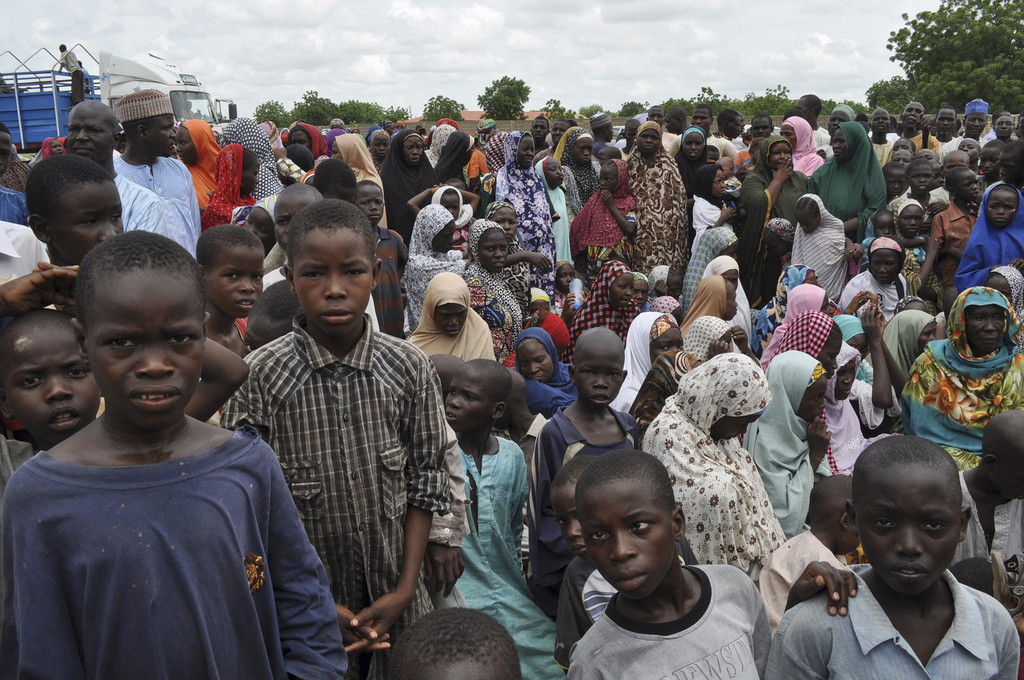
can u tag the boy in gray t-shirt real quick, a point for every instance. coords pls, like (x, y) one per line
(667, 620)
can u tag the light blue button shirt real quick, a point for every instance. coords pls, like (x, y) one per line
(981, 643)
(169, 179)
(141, 209)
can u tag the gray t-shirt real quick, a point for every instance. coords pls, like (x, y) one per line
(726, 635)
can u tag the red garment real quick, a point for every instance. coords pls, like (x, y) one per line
(319, 142)
(595, 226)
(597, 309)
(448, 121)
(226, 197)
(554, 325)
(45, 152)
(204, 172)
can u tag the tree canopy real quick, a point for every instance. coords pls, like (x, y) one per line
(318, 110)
(590, 109)
(442, 107)
(504, 99)
(554, 109)
(273, 111)
(962, 50)
(630, 109)
(893, 95)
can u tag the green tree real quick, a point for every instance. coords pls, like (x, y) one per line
(354, 111)
(273, 111)
(504, 99)
(775, 102)
(962, 50)
(396, 113)
(630, 109)
(554, 109)
(442, 107)
(314, 109)
(891, 95)
(590, 109)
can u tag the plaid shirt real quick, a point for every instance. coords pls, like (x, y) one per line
(358, 438)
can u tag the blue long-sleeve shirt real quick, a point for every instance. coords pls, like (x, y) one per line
(193, 568)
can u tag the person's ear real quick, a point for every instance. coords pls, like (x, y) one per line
(376, 271)
(288, 276)
(678, 525)
(988, 460)
(40, 227)
(965, 520)
(851, 519)
(5, 405)
(499, 410)
(79, 335)
(206, 320)
(572, 373)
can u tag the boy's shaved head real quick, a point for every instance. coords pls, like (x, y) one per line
(215, 240)
(957, 157)
(55, 176)
(892, 456)
(446, 365)
(1004, 436)
(829, 496)
(571, 471)
(598, 341)
(492, 376)
(456, 641)
(632, 465)
(297, 189)
(329, 215)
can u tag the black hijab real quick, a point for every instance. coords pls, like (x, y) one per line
(704, 182)
(687, 168)
(402, 181)
(453, 157)
(301, 156)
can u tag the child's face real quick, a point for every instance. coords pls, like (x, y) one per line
(884, 265)
(563, 500)
(778, 245)
(284, 211)
(988, 164)
(524, 154)
(450, 202)
(450, 318)
(47, 385)
(884, 225)
(999, 282)
(671, 339)
(534, 361)
(731, 306)
(621, 291)
(442, 241)
(714, 154)
(258, 332)
(895, 183)
(563, 277)
(630, 537)
(598, 376)
(1011, 167)
(609, 177)
(844, 380)
(1001, 207)
(911, 219)
(967, 188)
(493, 250)
(860, 343)
(261, 223)
(468, 404)
(145, 341)
(583, 150)
(553, 173)
(920, 179)
(370, 202)
(693, 145)
(641, 292)
(85, 217)
(537, 305)
(333, 275)
(506, 218)
(718, 186)
(903, 157)
(830, 350)
(972, 148)
(248, 180)
(813, 403)
(234, 281)
(674, 285)
(909, 525)
(809, 220)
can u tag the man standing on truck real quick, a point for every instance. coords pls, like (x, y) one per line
(69, 62)
(148, 120)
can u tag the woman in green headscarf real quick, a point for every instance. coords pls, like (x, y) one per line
(770, 190)
(850, 183)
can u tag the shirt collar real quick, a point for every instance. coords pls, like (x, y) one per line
(572, 435)
(6, 246)
(872, 627)
(317, 356)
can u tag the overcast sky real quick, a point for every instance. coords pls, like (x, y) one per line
(399, 52)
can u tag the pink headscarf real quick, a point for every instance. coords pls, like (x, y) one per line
(805, 155)
(806, 297)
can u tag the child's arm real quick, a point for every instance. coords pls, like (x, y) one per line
(628, 227)
(471, 198)
(50, 285)
(881, 387)
(538, 260)
(415, 201)
(932, 249)
(222, 373)
(444, 564)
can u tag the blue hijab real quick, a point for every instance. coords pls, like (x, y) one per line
(989, 246)
(545, 398)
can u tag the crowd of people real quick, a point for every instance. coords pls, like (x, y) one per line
(678, 402)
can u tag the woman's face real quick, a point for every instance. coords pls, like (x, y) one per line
(442, 241)
(731, 249)
(693, 146)
(641, 292)
(524, 154)
(844, 380)
(809, 220)
(830, 350)
(884, 265)
(247, 183)
(839, 146)
(450, 318)
(609, 177)
(187, 153)
(621, 291)
(553, 173)
(506, 218)
(926, 335)
(666, 342)
(985, 326)
(911, 219)
(813, 403)
(379, 147)
(299, 136)
(730, 427)
(730, 302)
(534, 361)
(732, 276)
(56, 149)
(718, 186)
(860, 343)
(493, 250)
(412, 149)
(780, 153)
(583, 150)
(648, 142)
(789, 133)
(563, 277)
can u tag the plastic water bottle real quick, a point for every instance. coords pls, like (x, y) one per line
(576, 288)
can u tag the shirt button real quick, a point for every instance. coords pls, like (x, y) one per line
(344, 416)
(362, 526)
(447, 530)
(352, 475)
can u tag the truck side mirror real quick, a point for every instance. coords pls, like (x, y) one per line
(232, 111)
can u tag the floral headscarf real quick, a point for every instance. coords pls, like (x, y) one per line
(702, 332)
(597, 309)
(438, 139)
(424, 262)
(1016, 281)
(493, 282)
(581, 179)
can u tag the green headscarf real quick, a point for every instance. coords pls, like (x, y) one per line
(853, 187)
(845, 109)
(901, 335)
(760, 269)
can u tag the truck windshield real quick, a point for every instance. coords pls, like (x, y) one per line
(192, 105)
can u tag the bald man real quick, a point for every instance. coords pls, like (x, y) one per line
(93, 133)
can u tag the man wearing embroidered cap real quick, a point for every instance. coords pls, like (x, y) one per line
(148, 121)
(601, 126)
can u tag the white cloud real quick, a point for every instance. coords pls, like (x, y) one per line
(401, 52)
